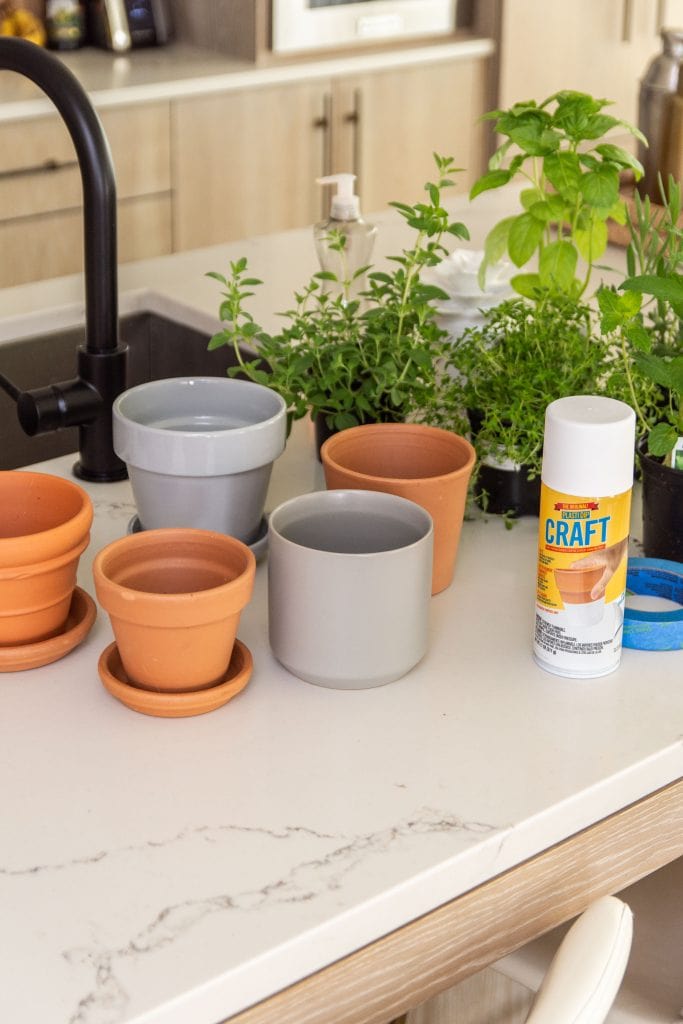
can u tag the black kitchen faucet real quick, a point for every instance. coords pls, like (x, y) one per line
(86, 400)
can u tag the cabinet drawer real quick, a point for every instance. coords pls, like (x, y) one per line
(38, 169)
(32, 248)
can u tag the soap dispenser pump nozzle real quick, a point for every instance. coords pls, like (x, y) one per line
(345, 204)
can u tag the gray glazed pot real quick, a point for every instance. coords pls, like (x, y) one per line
(349, 585)
(199, 451)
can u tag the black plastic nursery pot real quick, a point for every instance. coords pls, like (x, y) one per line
(503, 491)
(662, 508)
(507, 491)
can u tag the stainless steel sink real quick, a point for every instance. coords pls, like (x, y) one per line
(158, 347)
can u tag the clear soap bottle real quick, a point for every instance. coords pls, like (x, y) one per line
(344, 241)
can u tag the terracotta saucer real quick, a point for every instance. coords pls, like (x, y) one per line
(175, 705)
(258, 546)
(79, 622)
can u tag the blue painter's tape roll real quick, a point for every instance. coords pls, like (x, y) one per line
(657, 630)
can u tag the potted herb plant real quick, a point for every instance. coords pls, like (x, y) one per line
(523, 357)
(644, 319)
(349, 361)
(545, 344)
(558, 149)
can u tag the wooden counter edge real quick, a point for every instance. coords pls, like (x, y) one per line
(383, 980)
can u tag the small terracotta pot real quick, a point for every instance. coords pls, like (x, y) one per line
(44, 529)
(174, 597)
(430, 466)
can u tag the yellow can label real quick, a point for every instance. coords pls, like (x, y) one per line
(582, 556)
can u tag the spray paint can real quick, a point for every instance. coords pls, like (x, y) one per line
(586, 483)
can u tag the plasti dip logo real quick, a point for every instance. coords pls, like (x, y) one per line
(576, 528)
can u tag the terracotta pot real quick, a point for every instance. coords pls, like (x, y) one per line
(174, 597)
(427, 465)
(44, 529)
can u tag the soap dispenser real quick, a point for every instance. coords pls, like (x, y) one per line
(357, 238)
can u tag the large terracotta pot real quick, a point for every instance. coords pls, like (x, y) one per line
(427, 465)
(174, 597)
(44, 529)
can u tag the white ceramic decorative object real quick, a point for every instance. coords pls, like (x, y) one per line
(199, 451)
(457, 275)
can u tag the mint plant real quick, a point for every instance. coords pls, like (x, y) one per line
(572, 189)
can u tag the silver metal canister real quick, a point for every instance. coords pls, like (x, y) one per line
(657, 86)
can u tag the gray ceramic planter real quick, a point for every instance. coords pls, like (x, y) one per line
(199, 451)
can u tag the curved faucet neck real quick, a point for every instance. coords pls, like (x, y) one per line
(97, 175)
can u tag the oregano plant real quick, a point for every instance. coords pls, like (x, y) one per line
(381, 357)
(571, 177)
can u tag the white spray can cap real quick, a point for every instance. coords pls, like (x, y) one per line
(588, 446)
(345, 204)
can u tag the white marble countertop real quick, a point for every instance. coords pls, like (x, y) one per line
(166, 871)
(168, 72)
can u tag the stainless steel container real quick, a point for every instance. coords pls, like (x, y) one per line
(657, 87)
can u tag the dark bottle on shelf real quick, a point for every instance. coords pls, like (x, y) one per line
(65, 24)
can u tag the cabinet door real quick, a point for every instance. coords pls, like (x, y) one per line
(387, 125)
(245, 162)
(35, 248)
(41, 192)
(600, 48)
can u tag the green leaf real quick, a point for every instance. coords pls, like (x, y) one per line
(661, 439)
(529, 196)
(600, 187)
(591, 241)
(599, 125)
(655, 368)
(617, 155)
(564, 173)
(531, 133)
(525, 235)
(668, 287)
(496, 161)
(492, 179)
(618, 212)
(459, 230)
(676, 371)
(528, 285)
(616, 309)
(496, 242)
(216, 277)
(557, 265)
(639, 336)
(218, 340)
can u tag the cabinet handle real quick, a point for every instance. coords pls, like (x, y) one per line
(626, 21)
(324, 124)
(353, 118)
(47, 167)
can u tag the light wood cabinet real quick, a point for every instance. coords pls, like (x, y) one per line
(245, 162)
(41, 232)
(390, 124)
(600, 48)
(242, 162)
